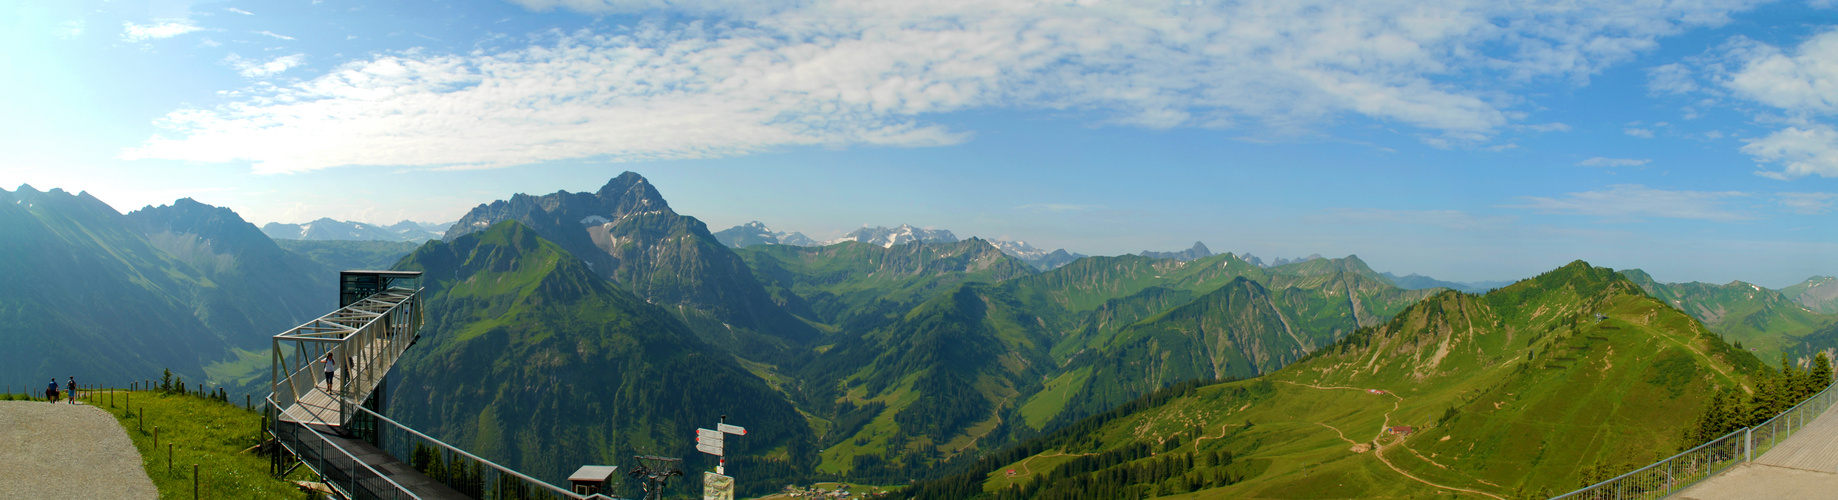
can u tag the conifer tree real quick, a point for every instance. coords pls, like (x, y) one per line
(1821, 372)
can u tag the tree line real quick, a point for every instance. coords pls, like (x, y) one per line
(1775, 392)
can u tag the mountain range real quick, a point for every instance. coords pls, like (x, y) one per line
(1199, 251)
(1432, 402)
(1416, 281)
(1818, 293)
(900, 355)
(756, 233)
(328, 229)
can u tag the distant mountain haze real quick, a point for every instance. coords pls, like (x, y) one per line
(1819, 293)
(328, 229)
(89, 292)
(1199, 251)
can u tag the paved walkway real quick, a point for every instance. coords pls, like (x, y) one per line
(1805, 466)
(67, 451)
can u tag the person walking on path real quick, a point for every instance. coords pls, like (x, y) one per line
(331, 366)
(51, 391)
(72, 389)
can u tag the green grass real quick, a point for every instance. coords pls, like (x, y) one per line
(206, 432)
(1049, 401)
(1524, 376)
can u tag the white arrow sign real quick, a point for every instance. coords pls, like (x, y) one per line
(706, 433)
(711, 441)
(732, 429)
(709, 449)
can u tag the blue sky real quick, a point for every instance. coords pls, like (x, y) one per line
(1461, 140)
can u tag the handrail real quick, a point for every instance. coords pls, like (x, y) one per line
(1644, 482)
(354, 460)
(365, 335)
(494, 465)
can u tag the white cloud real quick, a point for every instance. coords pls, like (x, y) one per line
(1672, 78)
(1808, 203)
(1801, 151)
(1632, 201)
(1639, 132)
(260, 69)
(273, 34)
(238, 11)
(1613, 162)
(841, 73)
(143, 32)
(1804, 81)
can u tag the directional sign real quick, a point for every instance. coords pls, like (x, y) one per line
(732, 429)
(710, 434)
(709, 449)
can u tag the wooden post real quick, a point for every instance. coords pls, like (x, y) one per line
(156, 430)
(194, 481)
(168, 458)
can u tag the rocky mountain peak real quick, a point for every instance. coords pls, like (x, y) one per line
(888, 237)
(1198, 251)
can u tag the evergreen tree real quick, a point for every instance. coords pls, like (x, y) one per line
(1821, 372)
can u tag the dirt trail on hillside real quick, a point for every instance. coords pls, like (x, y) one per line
(67, 451)
(1379, 451)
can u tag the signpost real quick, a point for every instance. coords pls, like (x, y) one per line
(717, 485)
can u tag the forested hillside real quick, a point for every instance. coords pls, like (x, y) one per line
(1537, 374)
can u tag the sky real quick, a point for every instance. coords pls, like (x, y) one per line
(1464, 140)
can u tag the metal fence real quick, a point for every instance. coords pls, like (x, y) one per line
(468, 474)
(339, 468)
(1681, 471)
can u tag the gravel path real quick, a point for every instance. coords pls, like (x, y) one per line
(67, 451)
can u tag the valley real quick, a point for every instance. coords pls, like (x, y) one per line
(582, 327)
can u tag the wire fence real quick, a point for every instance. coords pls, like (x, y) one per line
(461, 471)
(1681, 471)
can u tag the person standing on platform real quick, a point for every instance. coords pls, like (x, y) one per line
(331, 366)
(72, 389)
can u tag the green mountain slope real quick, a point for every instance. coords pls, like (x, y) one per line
(1526, 375)
(930, 385)
(1762, 320)
(1819, 293)
(1133, 345)
(255, 289)
(839, 283)
(530, 358)
(627, 233)
(1034, 363)
(83, 293)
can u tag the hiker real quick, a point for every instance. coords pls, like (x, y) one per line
(72, 389)
(51, 391)
(331, 365)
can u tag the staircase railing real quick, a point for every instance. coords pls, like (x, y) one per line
(1681, 471)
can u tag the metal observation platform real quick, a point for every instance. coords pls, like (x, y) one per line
(336, 427)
